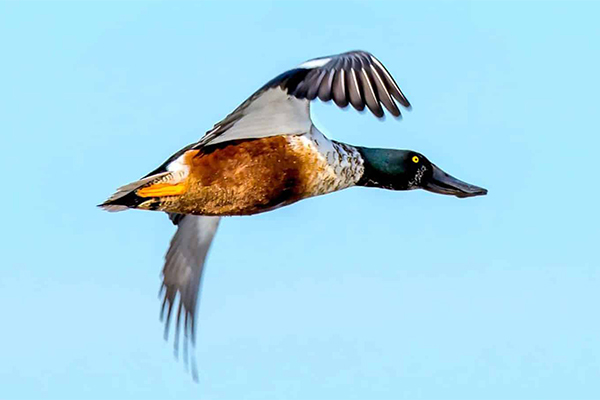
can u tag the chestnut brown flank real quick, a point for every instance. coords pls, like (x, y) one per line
(246, 177)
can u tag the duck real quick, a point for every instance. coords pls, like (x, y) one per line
(268, 154)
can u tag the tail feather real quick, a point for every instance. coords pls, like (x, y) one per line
(125, 197)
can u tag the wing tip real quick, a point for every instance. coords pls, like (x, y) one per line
(112, 207)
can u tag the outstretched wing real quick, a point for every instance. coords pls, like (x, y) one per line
(356, 77)
(282, 106)
(182, 274)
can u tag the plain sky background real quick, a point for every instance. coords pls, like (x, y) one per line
(361, 294)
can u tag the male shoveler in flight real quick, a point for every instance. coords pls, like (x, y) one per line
(267, 154)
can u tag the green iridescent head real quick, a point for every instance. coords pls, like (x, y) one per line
(407, 170)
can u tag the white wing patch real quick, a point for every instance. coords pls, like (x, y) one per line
(179, 169)
(316, 63)
(272, 113)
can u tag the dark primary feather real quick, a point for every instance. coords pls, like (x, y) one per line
(355, 77)
(182, 274)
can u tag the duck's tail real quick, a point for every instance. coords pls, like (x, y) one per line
(146, 193)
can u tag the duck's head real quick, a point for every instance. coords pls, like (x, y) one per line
(407, 170)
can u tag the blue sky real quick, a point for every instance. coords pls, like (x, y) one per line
(360, 294)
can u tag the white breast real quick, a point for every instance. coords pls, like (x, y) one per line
(339, 165)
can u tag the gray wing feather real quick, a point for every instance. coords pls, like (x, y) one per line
(339, 88)
(383, 94)
(369, 94)
(314, 83)
(325, 86)
(354, 90)
(182, 273)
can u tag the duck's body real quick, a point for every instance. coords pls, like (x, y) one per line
(267, 154)
(251, 176)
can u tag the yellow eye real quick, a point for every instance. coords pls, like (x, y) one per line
(415, 159)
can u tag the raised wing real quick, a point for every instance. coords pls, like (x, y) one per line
(182, 275)
(281, 106)
(356, 77)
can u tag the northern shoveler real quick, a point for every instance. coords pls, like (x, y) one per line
(267, 154)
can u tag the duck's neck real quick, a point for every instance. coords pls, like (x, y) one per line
(381, 168)
(356, 165)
